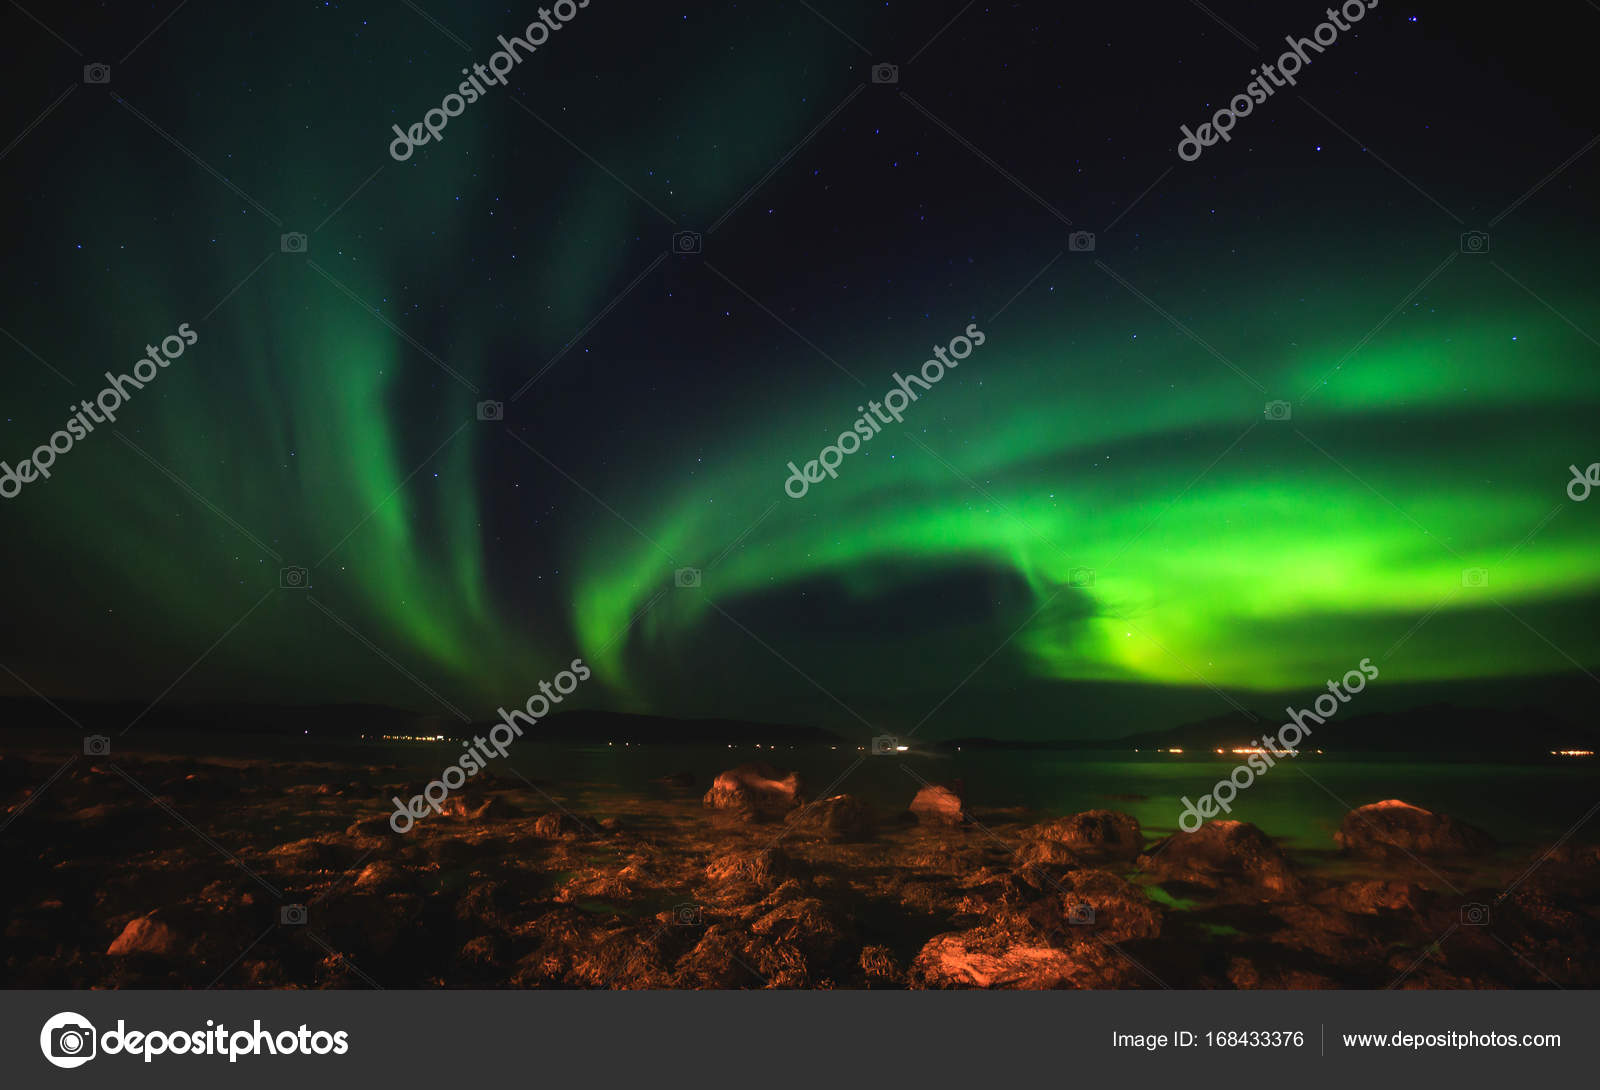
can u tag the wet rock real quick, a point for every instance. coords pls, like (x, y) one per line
(574, 950)
(370, 827)
(1101, 905)
(1049, 852)
(754, 789)
(1102, 835)
(147, 935)
(1370, 897)
(1223, 856)
(311, 854)
(381, 876)
(840, 818)
(1393, 829)
(719, 960)
(997, 956)
(1245, 974)
(1071, 906)
(559, 825)
(938, 805)
(766, 868)
(815, 928)
(491, 808)
(596, 892)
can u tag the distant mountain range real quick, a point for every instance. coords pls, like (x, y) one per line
(1436, 728)
(350, 721)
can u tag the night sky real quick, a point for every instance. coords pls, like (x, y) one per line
(1092, 525)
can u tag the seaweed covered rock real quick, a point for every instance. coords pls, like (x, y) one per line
(1099, 835)
(754, 789)
(840, 818)
(1395, 829)
(939, 805)
(1223, 857)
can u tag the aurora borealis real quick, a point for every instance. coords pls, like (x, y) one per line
(1092, 519)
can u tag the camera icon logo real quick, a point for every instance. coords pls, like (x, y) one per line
(1474, 577)
(886, 73)
(68, 1040)
(294, 578)
(885, 744)
(686, 577)
(96, 745)
(1278, 410)
(1474, 914)
(1081, 915)
(687, 242)
(97, 73)
(295, 242)
(687, 915)
(1475, 242)
(1081, 577)
(491, 410)
(292, 915)
(1081, 242)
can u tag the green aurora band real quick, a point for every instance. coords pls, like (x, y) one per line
(1088, 433)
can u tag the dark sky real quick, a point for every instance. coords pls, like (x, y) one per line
(1279, 409)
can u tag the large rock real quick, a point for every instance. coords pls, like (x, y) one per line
(765, 868)
(1070, 906)
(145, 935)
(995, 956)
(754, 788)
(1225, 856)
(840, 818)
(1101, 835)
(1395, 829)
(939, 805)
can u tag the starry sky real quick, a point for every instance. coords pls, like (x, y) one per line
(1093, 525)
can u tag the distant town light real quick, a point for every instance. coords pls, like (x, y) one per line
(1572, 753)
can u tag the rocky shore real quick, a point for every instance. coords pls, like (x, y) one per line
(175, 873)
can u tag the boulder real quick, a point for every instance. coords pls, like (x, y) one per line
(1223, 856)
(939, 805)
(997, 956)
(840, 818)
(145, 935)
(1369, 897)
(1049, 852)
(754, 789)
(1101, 835)
(765, 868)
(1395, 829)
(1071, 906)
(380, 876)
